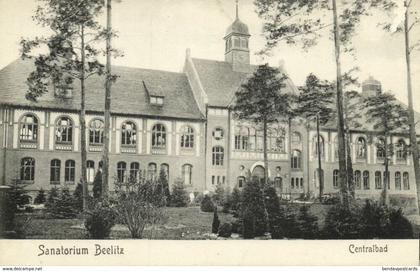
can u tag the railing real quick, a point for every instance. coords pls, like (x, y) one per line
(64, 146)
(128, 148)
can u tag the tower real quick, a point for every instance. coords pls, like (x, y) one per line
(237, 44)
(371, 87)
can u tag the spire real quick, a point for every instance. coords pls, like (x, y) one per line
(237, 12)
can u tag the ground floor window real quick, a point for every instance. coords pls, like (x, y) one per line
(278, 182)
(69, 171)
(27, 169)
(55, 171)
(121, 169)
(90, 171)
(378, 180)
(357, 179)
(366, 182)
(241, 181)
(335, 178)
(406, 181)
(187, 174)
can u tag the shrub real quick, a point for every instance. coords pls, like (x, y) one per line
(198, 198)
(272, 204)
(179, 197)
(63, 206)
(286, 224)
(252, 209)
(219, 194)
(235, 201)
(97, 185)
(342, 223)
(227, 202)
(78, 197)
(164, 186)
(225, 230)
(207, 204)
(248, 225)
(308, 224)
(100, 221)
(216, 222)
(237, 226)
(40, 197)
(399, 226)
(52, 198)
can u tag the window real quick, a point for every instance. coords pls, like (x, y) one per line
(96, 132)
(315, 145)
(218, 156)
(244, 44)
(278, 182)
(366, 182)
(296, 138)
(64, 130)
(121, 169)
(252, 141)
(55, 171)
(387, 180)
(158, 136)
(397, 180)
(134, 171)
(152, 171)
(241, 181)
(27, 169)
(358, 179)
(165, 169)
(90, 171)
(237, 42)
(335, 178)
(361, 148)
(241, 138)
(259, 144)
(406, 181)
(380, 149)
(212, 179)
(401, 150)
(187, 137)
(223, 179)
(292, 183)
(187, 174)
(218, 133)
(301, 182)
(157, 100)
(28, 128)
(69, 171)
(378, 180)
(128, 134)
(296, 162)
(218, 179)
(275, 140)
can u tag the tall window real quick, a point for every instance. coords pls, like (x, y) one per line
(187, 137)
(159, 136)
(296, 138)
(397, 180)
(366, 182)
(252, 139)
(380, 148)
(64, 130)
(152, 171)
(218, 156)
(401, 150)
(121, 170)
(292, 183)
(361, 148)
(358, 179)
(90, 171)
(315, 145)
(336, 147)
(55, 171)
(69, 171)
(296, 159)
(128, 134)
(27, 169)
(387, 179)
(96, 132)
(276, 140)
(378, 180)
(165, 169)
(28, 128)
(335, 178)
(406, 181)
(187, 173)
(134, 170)
(241, 138)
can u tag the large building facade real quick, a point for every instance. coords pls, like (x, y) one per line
(181, 123)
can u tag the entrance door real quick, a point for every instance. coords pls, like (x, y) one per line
(258, 173)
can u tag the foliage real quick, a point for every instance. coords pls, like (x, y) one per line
(62, 206)
(97, 185)
(225, 230)
(100, 221)
(235, 201)
(219, 194)
(308, 224)
(237, 226)
(78, 197)
(286, 224)
(227, 202)
(164, 186)
(179, 197)
(342, 223)
(272, 204)
(216, 222)
(53, 196)
(207, 204)
(40, 197)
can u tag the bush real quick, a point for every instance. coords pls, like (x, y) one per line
(227, 203)
(308, 224)
(225, 230)
(99, 222)
(198, 198)
(399, 226)
(216, 222)
(342, 223)
(252, 209)
(52, 198)
(219, 194)
(63, 205)
(248, 225)
(97, 185)
(286, 224)
(40, 197)
(237, 226)
(179, 197)
(235, 201)
(78, 197)
(164, 186)
(207, 204)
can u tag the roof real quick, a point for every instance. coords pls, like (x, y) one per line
(129, 95)
(220, 81)
(237, 27)
(371, 81)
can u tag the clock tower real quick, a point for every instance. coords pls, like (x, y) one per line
(237, 45)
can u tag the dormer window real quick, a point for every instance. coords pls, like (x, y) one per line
(156, 100)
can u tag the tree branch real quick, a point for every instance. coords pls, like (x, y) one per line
(304, 33)
(413, 24)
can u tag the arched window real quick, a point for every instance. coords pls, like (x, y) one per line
(406, 181)
(121, 170)
(217, 156)
(158, 136)
(69, 171)
(27, 169)
(378, 180)
(401, 150)
(241, 138)
(134, 171)
(28, 128)
(64, 130)
(380, 149)
(361, 148)
(259, 141)
(296, 138)
(296, 162)
(241, 181)
(292, 182)
(252, 142)
(397, 180)
(152, 171)
(276, 140)
(366, 182)
(90, 171)
(315, 145)
(218, 133)
(96, 132)
(335, 178)
(164, 168)
(55, 171)
(128, 134)
(387, 179)
(187, 174)
(358, 179)
(187, 137)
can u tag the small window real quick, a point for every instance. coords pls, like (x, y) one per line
(134, 171)
(90, 171)
(406, 181)
(187, 174)
(121, 171)
(212, 179)
(401, 150)
(237, 42)
(64, 130)
(292, 183)
(157, 100)
(366, 182)
(217, 156)
(218, 133)
(70, 171)
(397, 180)
(335, 178)
(55, 171)
(27, 169)
(218, 179)
(96, 132)
(378, 180)
(301, 182)
(387, 179)
(187, 137)
(223, 179)
(241, 181)
(28, 128)
(358, 179)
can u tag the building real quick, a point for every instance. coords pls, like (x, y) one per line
(180, 123)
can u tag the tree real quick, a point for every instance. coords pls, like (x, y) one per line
(260, 100)
(387, 116)
(164, 186)
(316, 102)
(179, 197)
(78, 197)
(216, 222)
(97, 185)
(40, 197)
(70, 56)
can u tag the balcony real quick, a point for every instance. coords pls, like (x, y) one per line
(159, 150)
(28, 144)
(128, 148)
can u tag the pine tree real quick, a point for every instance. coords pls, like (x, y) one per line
(52, 198)
(308, 224)
(40, 197)
(97, 185)
(78, 197)
(64, 206)
(179, 197)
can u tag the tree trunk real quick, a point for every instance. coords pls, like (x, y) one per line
(82, 120)
(411, 120)
(290, 151)
(320, 172)
(107, 111)
(384, 196)
(349, 165)
(265, 152)
(340, 118)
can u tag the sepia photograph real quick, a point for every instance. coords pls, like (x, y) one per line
(262, 120)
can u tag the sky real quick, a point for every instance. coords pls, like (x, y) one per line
(155, 34)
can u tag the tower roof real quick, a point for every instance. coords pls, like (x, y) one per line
(237, 27)
(371, 81)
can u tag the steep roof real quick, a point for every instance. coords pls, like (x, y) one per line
(237, 27)
(129, 95)
(220, 81)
